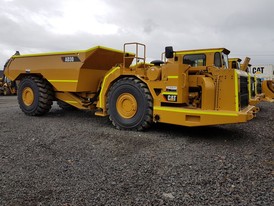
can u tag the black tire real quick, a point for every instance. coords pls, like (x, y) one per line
(41, 96)
(141, 117)
(65, 106)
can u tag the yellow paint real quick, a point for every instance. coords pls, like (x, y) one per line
(77, 52)
(172, 77)
(104, 82)
(170, 93)
(236, 90)
(63, 81)
(71, 102)
(199, 51)
(198, 112)
(28, 96)
(126, 105)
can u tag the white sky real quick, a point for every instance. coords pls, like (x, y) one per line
(245, 27)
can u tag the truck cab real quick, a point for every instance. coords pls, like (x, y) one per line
(235, 63)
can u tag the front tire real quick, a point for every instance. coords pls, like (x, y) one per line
(35, 96)
(129, 104)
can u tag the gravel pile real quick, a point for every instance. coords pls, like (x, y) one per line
(76, 158)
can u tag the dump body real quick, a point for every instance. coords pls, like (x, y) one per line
(75, 71)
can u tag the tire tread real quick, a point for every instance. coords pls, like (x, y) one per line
(45, 96)
(148, 118)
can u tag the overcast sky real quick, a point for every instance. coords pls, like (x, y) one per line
(245, 27)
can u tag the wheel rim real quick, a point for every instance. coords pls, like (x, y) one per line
(126, 105)
(28, 96)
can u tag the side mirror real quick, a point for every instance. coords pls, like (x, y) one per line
(169, 52)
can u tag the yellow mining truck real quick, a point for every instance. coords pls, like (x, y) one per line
(258, 92)
(7, 87)
(235, 63)
(265, 74)
(254, 97)
(180, 90)
(255, 93)
(264, 90)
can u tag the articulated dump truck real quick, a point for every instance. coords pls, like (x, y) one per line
(180, 89)
(253, 84)
(259, 90)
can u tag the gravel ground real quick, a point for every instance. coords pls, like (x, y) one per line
(76, 158)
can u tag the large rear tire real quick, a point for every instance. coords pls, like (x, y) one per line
(35, 96)
(129, 104)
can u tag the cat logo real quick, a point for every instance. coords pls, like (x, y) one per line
(170, 96)
(258, 70)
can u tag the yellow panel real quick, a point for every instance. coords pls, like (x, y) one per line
(197, 117)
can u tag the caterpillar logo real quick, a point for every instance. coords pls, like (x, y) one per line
(258, 70)
(170, 97)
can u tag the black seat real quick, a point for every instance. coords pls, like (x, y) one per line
(157, 62)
